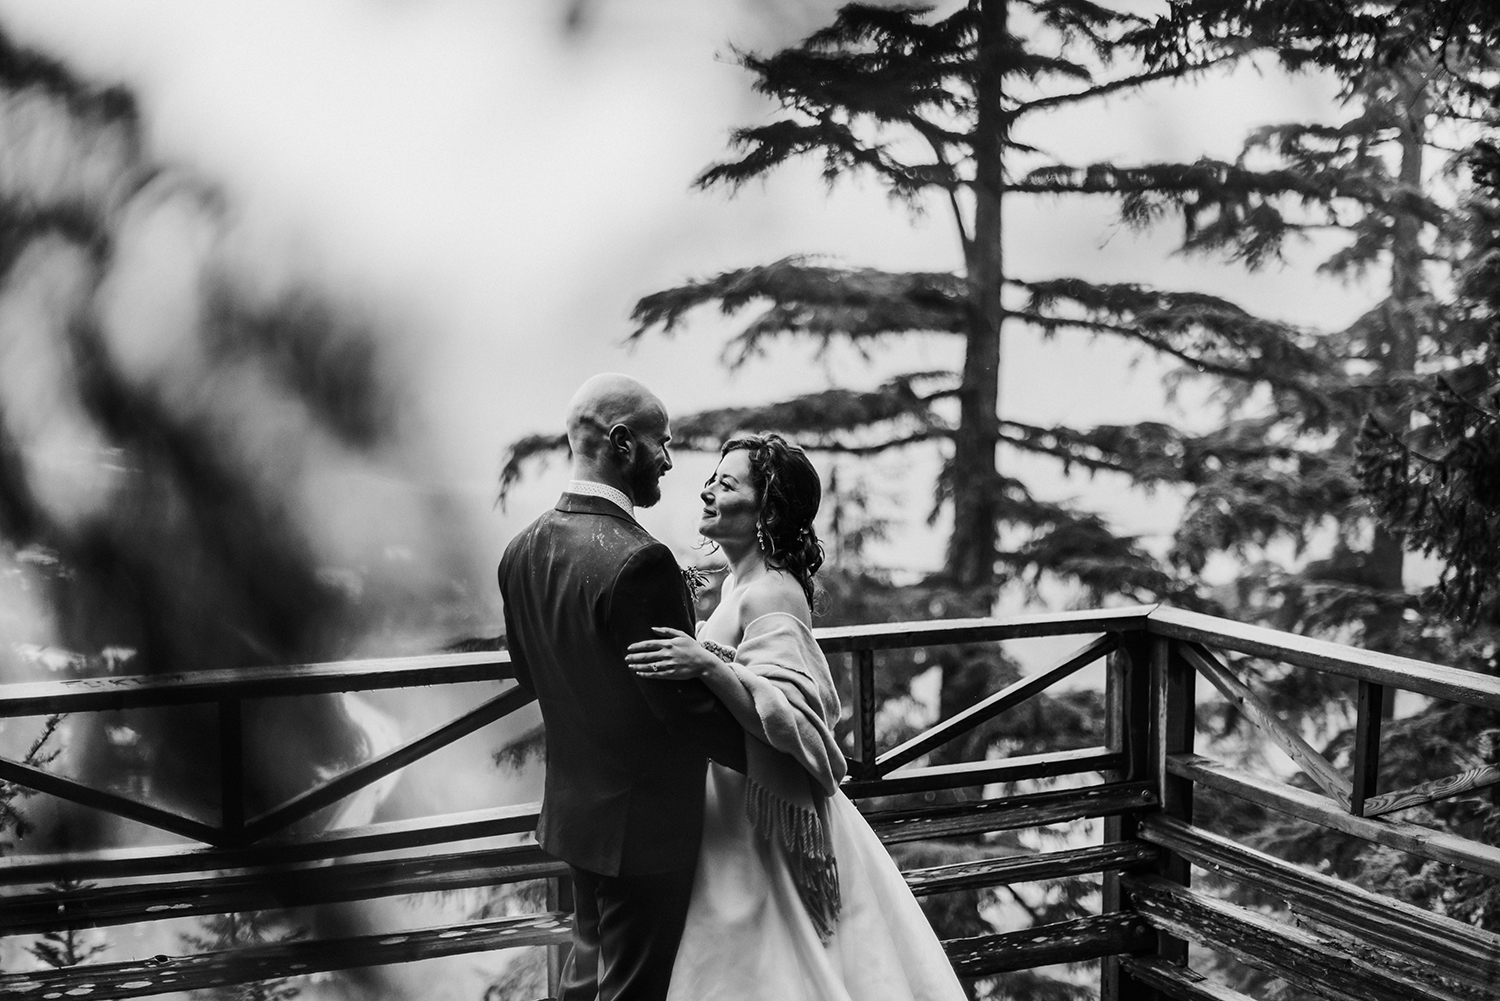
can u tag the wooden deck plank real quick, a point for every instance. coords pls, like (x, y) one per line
(1176, 982)
(986, 955)
(978, 773)
(1043, 945)
(1457, 949)
(1028, 868)
(157, 860)
(106, 981)
(1304, 960)
(45, 910)
(1036, 810)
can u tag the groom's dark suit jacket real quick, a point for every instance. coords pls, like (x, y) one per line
(626, 757)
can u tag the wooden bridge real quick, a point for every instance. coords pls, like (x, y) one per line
(1319, 934)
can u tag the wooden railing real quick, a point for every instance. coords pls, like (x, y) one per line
(1333, 940)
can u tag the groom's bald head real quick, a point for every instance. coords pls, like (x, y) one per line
(607, 400)
(618, 432)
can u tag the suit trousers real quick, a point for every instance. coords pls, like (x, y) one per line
(625, 935)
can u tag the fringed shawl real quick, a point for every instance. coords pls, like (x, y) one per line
(788, 782)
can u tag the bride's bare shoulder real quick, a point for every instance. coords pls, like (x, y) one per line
(775, 592)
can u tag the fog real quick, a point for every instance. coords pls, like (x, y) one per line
(499, 189)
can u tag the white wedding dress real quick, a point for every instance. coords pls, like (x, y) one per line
(748, 936)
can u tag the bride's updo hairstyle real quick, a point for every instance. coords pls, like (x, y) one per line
(790, 492)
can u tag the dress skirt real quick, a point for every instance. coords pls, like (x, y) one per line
(748, 937)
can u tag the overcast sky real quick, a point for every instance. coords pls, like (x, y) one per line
(500, 191)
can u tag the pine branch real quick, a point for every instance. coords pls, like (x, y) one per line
(522, 750)
(1123, 83)
(1151, 452)
(937, 142)
(65, 947)
(1207, 332)
(1438, 486)
(835, 420)
(24, 223)
(22, 68)
(1059, 444)
(1080, 18)
(1207, 181)
(1329, 33)
(769, 146)
(532, 448)
(864, 451)
(822, 302)
(1252, 503)
(37, 755)
(1032, 65)
(881, 65)
(1080, 546)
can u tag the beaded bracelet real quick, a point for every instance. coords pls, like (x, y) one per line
(719, 650)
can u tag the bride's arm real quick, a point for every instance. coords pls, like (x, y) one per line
(676, 656)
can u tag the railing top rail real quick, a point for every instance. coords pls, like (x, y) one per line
(137, 691)
(895, 635)
(35, 698)
(1437, 680)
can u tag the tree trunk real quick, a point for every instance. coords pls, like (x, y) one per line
(970, 671)
(1398, 358)
(973, 544)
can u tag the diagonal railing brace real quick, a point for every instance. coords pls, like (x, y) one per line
(986, 709)
(306, 804)
(1239, 694)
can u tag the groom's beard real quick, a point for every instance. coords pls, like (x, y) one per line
(645, 483)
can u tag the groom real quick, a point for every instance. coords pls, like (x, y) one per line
(626, 758)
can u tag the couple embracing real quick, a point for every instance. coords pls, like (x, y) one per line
(692, 774)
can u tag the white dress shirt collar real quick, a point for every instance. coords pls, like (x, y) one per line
(589, 488)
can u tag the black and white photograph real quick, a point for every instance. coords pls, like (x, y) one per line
(750, 500)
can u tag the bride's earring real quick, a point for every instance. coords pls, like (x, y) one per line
(760, 536)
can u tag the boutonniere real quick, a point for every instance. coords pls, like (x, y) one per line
(696, 579)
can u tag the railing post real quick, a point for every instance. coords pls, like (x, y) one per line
(1127, 696)
(863, 765)
(1367, 745)
(559, 898)
(1173, 725)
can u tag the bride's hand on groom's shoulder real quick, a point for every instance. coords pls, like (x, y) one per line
(672, 656)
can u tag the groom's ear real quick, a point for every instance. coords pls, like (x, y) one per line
(621, 440)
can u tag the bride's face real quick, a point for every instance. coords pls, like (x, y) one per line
(730, 506)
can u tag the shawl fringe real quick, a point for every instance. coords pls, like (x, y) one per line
(801, 834)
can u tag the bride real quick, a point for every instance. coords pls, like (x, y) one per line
(794, 898)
